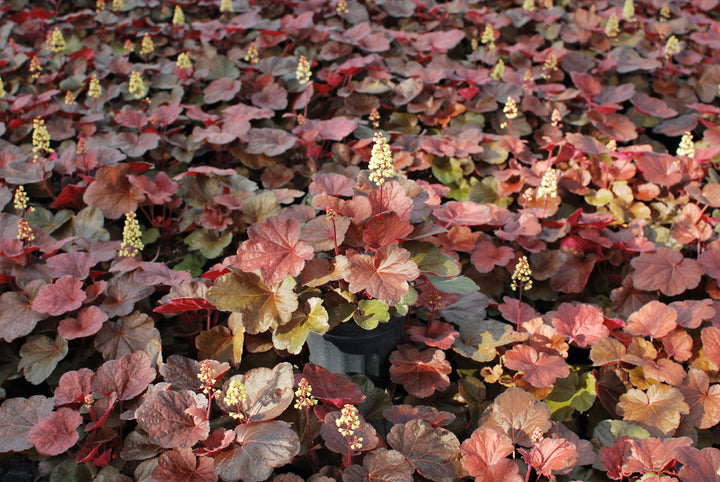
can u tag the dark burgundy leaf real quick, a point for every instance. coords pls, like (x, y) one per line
(431, 450)
(420, 372)
(170, 421)
(405, 413)
(380, 465)
(128, 377)
(89, 321)
(333, 388)
(338, 442)
(73, 386)
(180, 464)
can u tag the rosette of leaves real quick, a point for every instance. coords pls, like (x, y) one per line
(356, 254)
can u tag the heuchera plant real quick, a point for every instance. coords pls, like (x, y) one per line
(189, 188)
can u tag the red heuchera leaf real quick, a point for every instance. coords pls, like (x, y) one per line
(652, 106)
(268, 141)
(274, 247)
(112, 192)
(658, 410)
(540, 369)
(405, 413)
(170, 421)
(437, 334)
(551, 455)
(666, 270)
(710, 261)
(17, 417)
(128, 377)
(588, 84)
(259, 449)
(73, 386)
(678, 344)
(179, 305)
(335, 129)
(129, 334)
(617, 126)
(391, 197)
(584, 324)
(338, 442)
(613, 457)
(703, 399)
(66, 294)
(88, 322)
(223, 88)
(504, 471)
(217, 441)
(655, 319)
(516, 311)
(661, 169)
(517, 414)
(333, 388)
(691, 313)
(420, 372)
(159, 190)
(56, 432)
(76, 264)
(180, 464)
(332, 184)
(698, 465)
(384, 275)
(100, 411)
(384, 230)
(431, 450)
(711, 343)
(462, 213)
(486, 256)
(380, 465)
(484, 447)
(653, 455)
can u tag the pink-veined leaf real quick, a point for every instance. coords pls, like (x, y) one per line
(18, 416)
(380, 465)
(431, 450)
(710, 336)
(582, 323)
(653, 454)
(173, 419)
(702, 398)
(335, 129)
(661, 169)
(274, 247)
(420, 372)
(126, 335)
(405, 413)
(540, 369)
(484, 447)
(56, 432)
(268, 141)
(462, 213)
(75, 264)
(385, 229)
(486, 256)
(384, 275)
(17, 318)
(259, 448)
(217, 441)
(88, 321)
(698, 465)
(128, 377)
(436, 334)
(551, 455)
(65, 294)
(220, 89)
(180, 464)
(666, 270)
(517, 414)
(655, 319)
(334, 388)
(658, 409)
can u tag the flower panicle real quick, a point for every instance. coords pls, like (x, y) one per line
(303, 72)
(381, 162)
(521, 276)
(303, 395)
(131, 243)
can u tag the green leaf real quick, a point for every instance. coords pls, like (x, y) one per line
(209, 242)
(574, 393)
(45, 220)
(461, 284)
(262, 306)
(192, 262)
(371, 312)
(494, 153)
(40, 355)
(402, 308)
(376, 399)
(608, 431)
(446, 169)
(486, 192)
(429, 259)
(599, 198)
(311, 317)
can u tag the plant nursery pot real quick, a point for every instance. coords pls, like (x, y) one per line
(350, 349)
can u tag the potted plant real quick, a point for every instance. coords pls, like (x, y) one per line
(345, 268)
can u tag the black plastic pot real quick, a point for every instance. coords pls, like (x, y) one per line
(350, 349)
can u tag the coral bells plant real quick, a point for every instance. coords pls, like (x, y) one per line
(189, 189)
